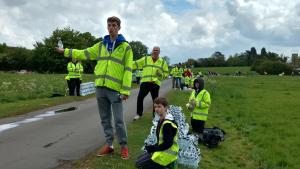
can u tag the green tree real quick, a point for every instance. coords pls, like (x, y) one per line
(139, 49)
(15, 58)
(45, 59)
(263, 52)
(167, 59)
(218, 59)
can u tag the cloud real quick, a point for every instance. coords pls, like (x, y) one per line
(182, 29)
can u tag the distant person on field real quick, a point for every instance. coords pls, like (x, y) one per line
(71, 77)
(79, 71)
(113, 81)
(164, 153)
(199, 103)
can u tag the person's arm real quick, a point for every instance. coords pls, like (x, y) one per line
(138, 64)
(70, 68)
(127, 77)
(205, 102)
(90, 53)
(165, 70)
(169, 133)
(80, 68)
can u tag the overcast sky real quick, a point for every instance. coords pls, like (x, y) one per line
(182, 28)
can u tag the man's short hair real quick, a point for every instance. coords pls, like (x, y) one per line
(161, 100)
(114, 19)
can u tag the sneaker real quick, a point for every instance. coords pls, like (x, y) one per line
(105, 151)
(136, 117)
(124, 153)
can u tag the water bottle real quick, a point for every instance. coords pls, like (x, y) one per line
(60, 45)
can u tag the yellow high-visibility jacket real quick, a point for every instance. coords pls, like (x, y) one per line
(151, 68)
(113, 70)
(168, 156)
(203, 102)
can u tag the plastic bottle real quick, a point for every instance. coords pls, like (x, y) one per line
(60, 45)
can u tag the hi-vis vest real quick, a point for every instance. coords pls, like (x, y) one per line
(203, 102)
(187, 80)
(150, 68)
(168, 156)
(176, 72)
(113, 70)
(71, 71)
(173, 71)
(79, 68)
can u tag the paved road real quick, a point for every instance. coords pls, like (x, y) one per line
(43, 140)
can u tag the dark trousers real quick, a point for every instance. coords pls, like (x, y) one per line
(144, 162)
(74, 83)
(177, 82)
(138, 79)
(71, 86)
(197, 125)
(77, 86)
(173, 82)
(145, 88)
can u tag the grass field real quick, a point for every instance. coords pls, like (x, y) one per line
(223, 70)
(259, 113)
(22, 93)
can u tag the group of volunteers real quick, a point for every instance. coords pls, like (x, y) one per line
(113, 78)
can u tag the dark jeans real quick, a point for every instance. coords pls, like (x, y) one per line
(138, 79)
(77, 86)
(74, 83)
(197, 125)
(145, 88)
(177, 82)
(173, 82)
(144, 162)
(71, 86)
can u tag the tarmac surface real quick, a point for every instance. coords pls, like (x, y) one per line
(47, 138)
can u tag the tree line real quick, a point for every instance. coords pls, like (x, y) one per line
(247, 58)
(265, 62)
(44, 59)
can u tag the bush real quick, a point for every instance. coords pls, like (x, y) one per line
(271, 67)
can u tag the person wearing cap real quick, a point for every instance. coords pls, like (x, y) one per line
(199, 103)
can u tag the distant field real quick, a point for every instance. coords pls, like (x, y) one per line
(223, 70)
(259, 113)
(22, 93)
(15, 87)
(261, 117)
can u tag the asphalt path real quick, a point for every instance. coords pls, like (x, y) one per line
(44, 139)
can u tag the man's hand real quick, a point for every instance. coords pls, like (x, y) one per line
(59, 50)
(158, 73)
(124, 97)
(191, 105)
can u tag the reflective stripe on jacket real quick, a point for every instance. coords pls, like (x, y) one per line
(79, 68)
(72, 71)
(168, 156)
(113, 70)
(203, 102)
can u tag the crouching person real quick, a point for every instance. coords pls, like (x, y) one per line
(199, 103)
(164, 153)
